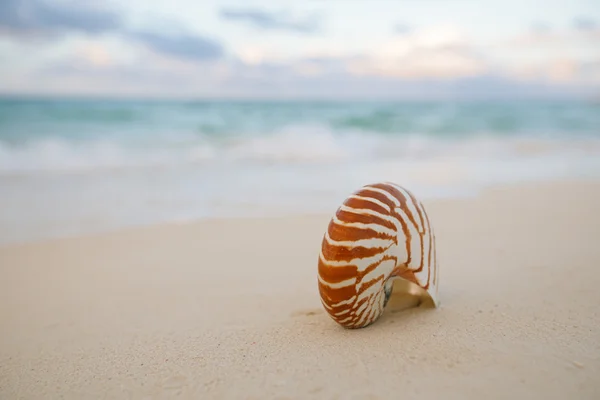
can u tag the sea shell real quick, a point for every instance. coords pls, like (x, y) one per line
(380, 233)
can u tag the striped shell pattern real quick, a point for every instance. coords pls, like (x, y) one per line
(380, 233)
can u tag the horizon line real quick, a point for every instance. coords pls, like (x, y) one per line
(205, 98)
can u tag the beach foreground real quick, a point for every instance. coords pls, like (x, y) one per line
(230, 309)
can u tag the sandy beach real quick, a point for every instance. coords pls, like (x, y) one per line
(229, 309)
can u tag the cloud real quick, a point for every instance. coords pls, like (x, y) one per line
(95, 55)
(186, 46)
(540, 27)
(39, 19)
(402, 28)
(439, 52)
(36, 17)
(558, 71)
(271, 21)
(441, 62)
(91, 72)
(590, 71)
(421, 63)
(583, 32)
(585, 24)
(282, 81)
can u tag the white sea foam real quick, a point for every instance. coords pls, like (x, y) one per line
(54, 186)
(303, 145)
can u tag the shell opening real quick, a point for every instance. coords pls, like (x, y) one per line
(406, 294)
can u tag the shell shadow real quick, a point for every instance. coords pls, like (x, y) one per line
(406, 300)
(407, 295)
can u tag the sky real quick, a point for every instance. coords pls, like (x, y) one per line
(311, 49)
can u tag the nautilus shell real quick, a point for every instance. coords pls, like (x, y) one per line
(380, 233)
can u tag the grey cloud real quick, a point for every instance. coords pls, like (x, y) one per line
(80, 78)
(117, 74)
(585, 24)
(37, 17)
(590, 69)
(41, 19)
(402, 28)
(283, 80)
(266, 81)
(181, 46)
(271, 21)
(540, 27)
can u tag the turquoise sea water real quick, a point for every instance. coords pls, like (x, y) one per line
(73, 166)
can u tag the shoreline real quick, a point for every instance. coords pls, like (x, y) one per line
(286, 214)
(97, 187)
(230, 309)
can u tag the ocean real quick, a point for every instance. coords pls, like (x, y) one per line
(73, 166)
